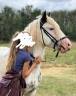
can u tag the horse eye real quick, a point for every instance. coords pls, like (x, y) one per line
(51, 28)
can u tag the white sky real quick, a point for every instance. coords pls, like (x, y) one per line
(48, 5)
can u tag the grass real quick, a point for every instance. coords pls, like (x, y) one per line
(54, 86)
(67, 58)
(4, 44)
(63, 84)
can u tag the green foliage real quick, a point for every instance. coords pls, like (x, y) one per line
(16, 20)
(12, 21)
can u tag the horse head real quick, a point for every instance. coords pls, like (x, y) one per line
(46, 32)
(53, 33)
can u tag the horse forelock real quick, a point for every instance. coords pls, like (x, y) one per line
(50, 20)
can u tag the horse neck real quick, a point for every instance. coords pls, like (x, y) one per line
(34, 30)
(38, 51)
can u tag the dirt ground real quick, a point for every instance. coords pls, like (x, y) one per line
(60, 72)
(55, 70)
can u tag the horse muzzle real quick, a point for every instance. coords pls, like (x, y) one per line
(64, 45)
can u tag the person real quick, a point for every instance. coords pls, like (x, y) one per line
(21, 63)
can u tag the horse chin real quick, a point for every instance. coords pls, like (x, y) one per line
(64, 50)
(64, 45)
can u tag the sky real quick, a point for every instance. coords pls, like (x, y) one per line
(48, 5)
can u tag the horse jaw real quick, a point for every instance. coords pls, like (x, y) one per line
(38, 50)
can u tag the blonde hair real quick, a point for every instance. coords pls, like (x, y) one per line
(12, 53)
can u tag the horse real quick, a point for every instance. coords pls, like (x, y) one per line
(45, 31)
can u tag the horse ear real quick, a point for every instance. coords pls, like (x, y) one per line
(49, 14)
(44, 18)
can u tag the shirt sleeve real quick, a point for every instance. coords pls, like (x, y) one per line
(28, 57)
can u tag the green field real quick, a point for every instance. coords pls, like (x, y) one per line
(59, 78)
(58, 82)
(67, 58)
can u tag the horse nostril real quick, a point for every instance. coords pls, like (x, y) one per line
(68, 44)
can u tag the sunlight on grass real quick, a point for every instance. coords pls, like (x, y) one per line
(57, 86)
(58, 82)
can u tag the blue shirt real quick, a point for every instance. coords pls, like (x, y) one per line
(22, 56)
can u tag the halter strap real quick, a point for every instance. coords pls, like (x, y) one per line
(52, 38)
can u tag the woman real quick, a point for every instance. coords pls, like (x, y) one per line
(19, 66)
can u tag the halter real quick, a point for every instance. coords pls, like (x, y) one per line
(52, 38)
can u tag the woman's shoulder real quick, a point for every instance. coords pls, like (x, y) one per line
(23, 53)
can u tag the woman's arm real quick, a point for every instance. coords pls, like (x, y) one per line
(27, 69)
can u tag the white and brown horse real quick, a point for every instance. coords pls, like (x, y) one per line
(45, 32)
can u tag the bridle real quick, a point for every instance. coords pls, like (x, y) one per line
(52, 38)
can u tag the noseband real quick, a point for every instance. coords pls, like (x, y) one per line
(52, 38)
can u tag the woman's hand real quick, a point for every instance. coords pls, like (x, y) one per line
(38, 60)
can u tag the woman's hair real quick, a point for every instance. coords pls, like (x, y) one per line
(12, 53)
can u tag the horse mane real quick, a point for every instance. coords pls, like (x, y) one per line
(33, 28)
